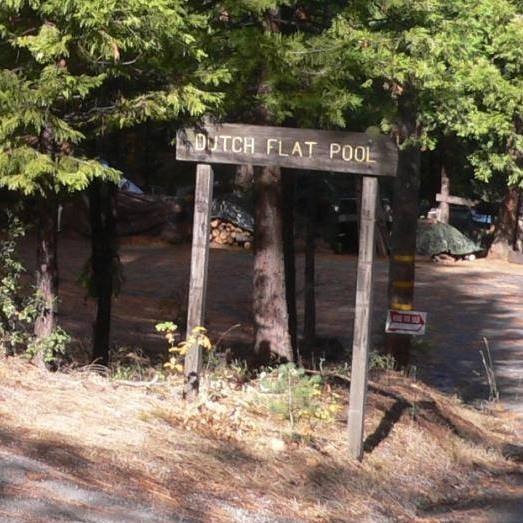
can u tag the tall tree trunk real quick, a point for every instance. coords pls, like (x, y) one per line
(46, 270)
(289, 255)
(271, 317)
(444, 208)
(102, 264)
(403, 235)
(46, 253)
(506, 232)
(244, 177)
(309, 326)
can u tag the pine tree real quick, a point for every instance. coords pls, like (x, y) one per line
(421, 71)
(73, 70)
(261, 43)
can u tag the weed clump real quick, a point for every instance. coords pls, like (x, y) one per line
(296, 396)
(20, 306)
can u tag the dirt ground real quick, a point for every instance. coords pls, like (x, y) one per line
(79, 446)
(465, 302)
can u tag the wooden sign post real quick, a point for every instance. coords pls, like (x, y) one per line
(308, 149)
(198, 277)
(362, 316)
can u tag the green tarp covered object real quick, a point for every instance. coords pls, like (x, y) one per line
(436, 238)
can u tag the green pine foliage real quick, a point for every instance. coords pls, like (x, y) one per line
(296, 396)
(262, 42)
(76, 69)
(18, 305)
(460, 62)
(72, 70)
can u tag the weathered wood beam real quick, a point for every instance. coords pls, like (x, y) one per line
(198, 277)
(362, 317)
(456, 200)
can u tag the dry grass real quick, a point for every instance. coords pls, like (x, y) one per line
(228, 458)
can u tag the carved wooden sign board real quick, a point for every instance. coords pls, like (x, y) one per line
(308, 149)
(336, 151)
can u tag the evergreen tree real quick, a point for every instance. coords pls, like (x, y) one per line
(421, 71)
(73, 70)
(261, 43)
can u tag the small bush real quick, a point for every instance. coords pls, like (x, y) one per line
(51, 348)
(18, 306)
(179, 350)
(296, 396)
(378, 361)
(131, 364)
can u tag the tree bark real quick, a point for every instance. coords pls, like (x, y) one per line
(271, 317)
(46, 253)
(244, 177)
(289, 255)
(309, 327)
(403, 235)
(102, 264)
(46, 271)
(506, 231)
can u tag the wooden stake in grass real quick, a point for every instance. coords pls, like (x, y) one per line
(489, 369)
(362, 316)
(198, 278)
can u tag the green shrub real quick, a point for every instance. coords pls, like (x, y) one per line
(18, 307)
(295, 395)
(198, 337)
(50, 348)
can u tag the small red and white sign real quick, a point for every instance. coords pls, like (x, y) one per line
(406, 322)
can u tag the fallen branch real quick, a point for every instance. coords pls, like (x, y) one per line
(137, 383)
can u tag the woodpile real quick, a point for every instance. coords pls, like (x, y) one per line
(226, 233)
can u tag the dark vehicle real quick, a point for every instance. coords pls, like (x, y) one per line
(460, 216)
(475, 222)
(345, 218)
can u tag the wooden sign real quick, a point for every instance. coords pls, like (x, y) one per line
(336, 151)
(308, 149)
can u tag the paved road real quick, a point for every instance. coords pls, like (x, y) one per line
(35, 492)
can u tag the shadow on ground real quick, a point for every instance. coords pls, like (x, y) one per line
(465, 302)
(46, 480)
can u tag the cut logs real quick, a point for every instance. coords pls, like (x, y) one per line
(225, 233)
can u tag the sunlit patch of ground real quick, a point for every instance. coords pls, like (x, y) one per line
(230, 458)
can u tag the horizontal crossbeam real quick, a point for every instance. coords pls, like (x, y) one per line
(456, 200)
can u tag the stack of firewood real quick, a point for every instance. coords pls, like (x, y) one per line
(226, 233)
